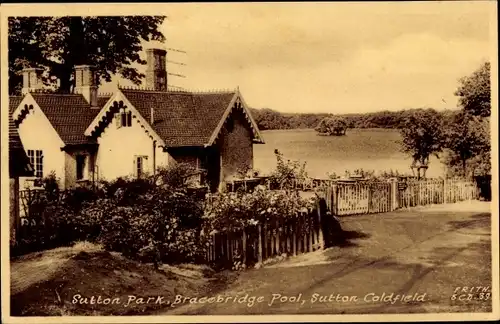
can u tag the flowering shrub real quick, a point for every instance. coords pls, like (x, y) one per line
(288, 173)
(233, 211)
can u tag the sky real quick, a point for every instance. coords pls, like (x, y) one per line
(328, 57)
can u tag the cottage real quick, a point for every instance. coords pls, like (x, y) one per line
(85, 137)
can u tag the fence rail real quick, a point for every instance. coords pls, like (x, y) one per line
(379, 197)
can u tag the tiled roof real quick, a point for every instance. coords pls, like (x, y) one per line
(14, 139)
(181, 118)
(19, 164)
(69, 114)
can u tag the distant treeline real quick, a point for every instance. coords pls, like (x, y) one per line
(270, 119)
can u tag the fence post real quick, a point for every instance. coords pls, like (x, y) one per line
(320, 227)
(277, 238)
(260, 244)
(287, 235)
(311, 232)
(394, 194)
(335, 199)
(370, 203)
(444, 191)
(244, 247)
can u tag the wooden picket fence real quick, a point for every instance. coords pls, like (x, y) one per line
(420, 193)
(459, 190)
(436, 191)
(256, 244)
(366, 197)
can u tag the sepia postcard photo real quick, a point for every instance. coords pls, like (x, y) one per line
(249, 162)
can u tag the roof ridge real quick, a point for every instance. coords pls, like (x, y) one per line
(57, 94)
(215, 91)
(177, 90)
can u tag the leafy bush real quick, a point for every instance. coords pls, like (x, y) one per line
(138, 217)
(152, 223)
(55, 218)
(179, 176)
(234, 211)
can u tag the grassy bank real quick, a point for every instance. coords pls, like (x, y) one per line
(50, 283)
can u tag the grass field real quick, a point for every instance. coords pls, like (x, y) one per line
(367, 149)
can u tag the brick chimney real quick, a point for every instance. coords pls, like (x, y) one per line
(86, 83)
(156, 72)
(32, 80)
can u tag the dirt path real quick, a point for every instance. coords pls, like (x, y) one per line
(426, 253)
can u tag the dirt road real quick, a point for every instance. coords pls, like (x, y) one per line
(436, 259)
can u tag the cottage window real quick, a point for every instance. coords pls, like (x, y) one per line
(36, 160)
(80, 166)
(125, 119)
(140, 166)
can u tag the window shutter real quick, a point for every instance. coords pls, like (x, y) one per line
(118, 120)
(124, 119)
(135, 167)
(129, 119)
(145, 164)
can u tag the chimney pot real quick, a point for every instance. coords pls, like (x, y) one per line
(32, 80)
(86, 83)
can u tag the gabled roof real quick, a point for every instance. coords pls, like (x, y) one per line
(180, 118)
(19, 164)
(183, 118)
(69, 114)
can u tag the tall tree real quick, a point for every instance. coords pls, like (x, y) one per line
(468, 134)
(467, 137)
(474, 92)
(57, 44)
(422, 136)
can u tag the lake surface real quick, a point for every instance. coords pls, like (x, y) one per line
(367, 149)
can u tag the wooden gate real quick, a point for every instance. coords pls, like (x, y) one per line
(380, 194)
(359, 198)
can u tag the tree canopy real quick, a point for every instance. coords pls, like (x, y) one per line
(271, 119)
(422, 136)
(332, 126)
(57, 44)
(467, 137)
(474, 92)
